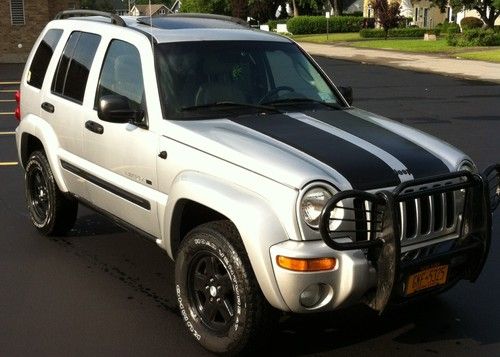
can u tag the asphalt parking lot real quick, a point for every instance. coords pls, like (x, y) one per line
(103, 291)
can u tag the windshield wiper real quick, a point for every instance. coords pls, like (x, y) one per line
(266, 108)
(291, 101)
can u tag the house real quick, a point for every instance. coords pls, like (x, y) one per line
(458, 16)
(144, 10)
(426, 15)
(422, 12)
(21, 21)
(120, 7)
(176, 7)
(350, 6)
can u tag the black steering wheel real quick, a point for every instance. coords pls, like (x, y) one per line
(274, 92)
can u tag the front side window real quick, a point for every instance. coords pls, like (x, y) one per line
(245, 74)
(121, 74)
(74, 66)
(42, 58)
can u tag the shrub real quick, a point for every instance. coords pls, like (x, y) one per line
(354, 13)
(372, 33)
(300, 25)
(452, 28)
(474, 37)
(368, 23)
(273, 24)
(470, 22)
(410, 32)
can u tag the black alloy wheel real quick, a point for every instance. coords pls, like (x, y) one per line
(38, 195)
(52, 212)
(219, 298)
(211, 289)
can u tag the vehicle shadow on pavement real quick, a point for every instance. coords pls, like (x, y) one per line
(404, 327)
(93, 224)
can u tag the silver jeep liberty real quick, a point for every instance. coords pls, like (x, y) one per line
(233, 151)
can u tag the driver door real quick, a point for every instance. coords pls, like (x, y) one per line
(122, 156)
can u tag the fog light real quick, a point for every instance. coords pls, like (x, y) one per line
(313, 294)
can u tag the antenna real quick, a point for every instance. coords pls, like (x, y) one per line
(151, 26)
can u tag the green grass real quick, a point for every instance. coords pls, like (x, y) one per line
(485, 55)
(406, 45)
(409, 45)
(333, 37)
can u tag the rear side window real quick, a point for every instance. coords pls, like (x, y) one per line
(42, 58)
(74, 66)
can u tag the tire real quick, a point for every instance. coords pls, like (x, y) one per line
(223, 307)
(51, 212)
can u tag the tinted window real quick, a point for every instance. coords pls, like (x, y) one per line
(42, 58)
(74, 66)
(122, 74)
(195, 78)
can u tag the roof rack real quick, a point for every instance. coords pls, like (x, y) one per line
(213, 16)
(115, 19)
(143, 20)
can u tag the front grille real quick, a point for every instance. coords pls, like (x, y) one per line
(430, 216)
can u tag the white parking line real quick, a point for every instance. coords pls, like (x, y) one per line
(6, 113)
(12, 163)
(8, 83)
(7, 132)
(8, 90)
(7, 100)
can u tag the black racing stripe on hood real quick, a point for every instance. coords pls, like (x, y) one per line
(361, 168)
(419, 161)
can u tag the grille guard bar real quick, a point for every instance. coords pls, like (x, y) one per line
(382, 229)
(491, 177)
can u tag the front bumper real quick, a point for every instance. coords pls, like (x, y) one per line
(371, 270)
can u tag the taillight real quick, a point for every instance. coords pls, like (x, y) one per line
(17, 113)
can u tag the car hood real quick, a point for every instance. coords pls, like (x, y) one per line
(348, 148)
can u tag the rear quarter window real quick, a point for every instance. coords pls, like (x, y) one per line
(42, 57)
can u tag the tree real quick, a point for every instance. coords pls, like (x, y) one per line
(146, 2)
(239, 8)
(221, 7)
(264, 10)
(387, 15)
(337, 6)
(101, 5)
(489, 10)
(309, 4)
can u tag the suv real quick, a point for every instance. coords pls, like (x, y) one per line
(233, 151)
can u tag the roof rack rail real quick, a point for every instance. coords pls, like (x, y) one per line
(212, 16)
(235, 20)
(115, 19)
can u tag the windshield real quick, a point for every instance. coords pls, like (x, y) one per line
(207, 79)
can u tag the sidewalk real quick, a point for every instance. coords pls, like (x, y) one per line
(467, 69)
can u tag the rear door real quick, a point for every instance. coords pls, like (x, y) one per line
(62, 103)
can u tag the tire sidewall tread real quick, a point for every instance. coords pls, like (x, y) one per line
(222, 238)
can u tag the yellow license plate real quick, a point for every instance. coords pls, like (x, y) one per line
(427, 278)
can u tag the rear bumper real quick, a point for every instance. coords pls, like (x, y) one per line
(371, 271)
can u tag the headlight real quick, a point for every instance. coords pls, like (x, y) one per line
(312, 204)
(467, 166)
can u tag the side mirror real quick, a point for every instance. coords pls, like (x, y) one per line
(116, 109)
(346, 93)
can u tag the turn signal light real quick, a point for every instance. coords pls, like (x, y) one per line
(306, 265)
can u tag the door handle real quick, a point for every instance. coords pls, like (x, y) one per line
(48, 107)
(94, 127)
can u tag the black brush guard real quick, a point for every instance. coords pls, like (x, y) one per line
(377, 230)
